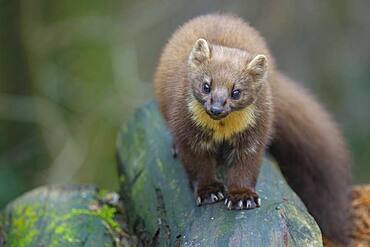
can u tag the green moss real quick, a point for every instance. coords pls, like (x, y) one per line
(107, 213)
(102, 193)
(62, 227)
(160, 165)
(23, 231)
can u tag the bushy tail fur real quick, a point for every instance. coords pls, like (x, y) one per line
(313, 157)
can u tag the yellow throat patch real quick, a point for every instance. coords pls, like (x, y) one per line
(225, 128)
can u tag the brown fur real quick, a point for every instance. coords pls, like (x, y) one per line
(305, 141)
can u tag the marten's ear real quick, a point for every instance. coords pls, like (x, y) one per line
(201, 52)
(258, 67)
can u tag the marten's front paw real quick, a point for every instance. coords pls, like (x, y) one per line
(242, 199)
(210, 193)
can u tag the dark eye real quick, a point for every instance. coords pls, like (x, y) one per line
(235, 94)
(206, 88)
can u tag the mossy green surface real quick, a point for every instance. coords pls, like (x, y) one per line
(163, 211)
(60, 216)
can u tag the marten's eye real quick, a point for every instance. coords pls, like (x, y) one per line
(235, 94)
(206, 88)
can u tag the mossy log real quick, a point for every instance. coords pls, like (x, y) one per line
(162, 210)
(65, 216)
(161, 207)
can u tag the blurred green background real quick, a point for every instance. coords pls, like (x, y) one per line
(72, 71)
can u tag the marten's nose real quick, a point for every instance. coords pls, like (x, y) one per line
(216, 110)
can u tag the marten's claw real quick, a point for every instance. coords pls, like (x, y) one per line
(210, 194)
(199, 201)
(242, 204)
(220, 195)
(214, 198)
(210, 199)
(249, 204)
(242, 200)
(258, 202)
(228, 204)
(174, 151)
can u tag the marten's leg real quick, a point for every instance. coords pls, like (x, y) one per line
(200, 167)
(241, 179)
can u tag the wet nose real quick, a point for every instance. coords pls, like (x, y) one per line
(216, 110)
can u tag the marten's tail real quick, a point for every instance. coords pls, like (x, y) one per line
(313, 157)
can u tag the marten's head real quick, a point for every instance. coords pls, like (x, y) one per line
(225, 80)
(225, 83)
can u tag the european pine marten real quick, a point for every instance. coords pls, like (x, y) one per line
(224, 102)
